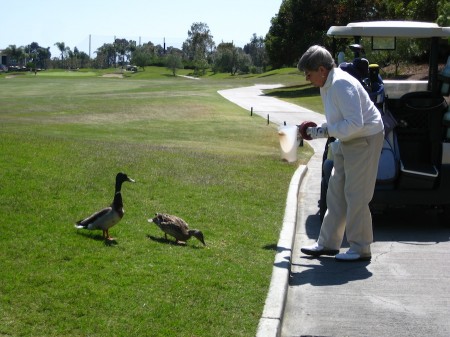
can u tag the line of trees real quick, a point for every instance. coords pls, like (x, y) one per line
(29, 56)
(34, 56)
(297, 25)
(198, 52)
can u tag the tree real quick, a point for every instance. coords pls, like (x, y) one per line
(293, 29)
(142, 57)
(106, 56)
(225, 58)
(75, 57)
(302, 23)
(298, 24)
(174, 62)
(199, 45)
(229, 58)
(443, 11)
(40, 56)
(417, 10)
(63, 49)
(124, 48)
(84, 59)
(243, 62)
(257, 51)
(15, 54)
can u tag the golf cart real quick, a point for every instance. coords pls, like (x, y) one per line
(414, 168)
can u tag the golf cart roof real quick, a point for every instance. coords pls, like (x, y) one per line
(412, 29)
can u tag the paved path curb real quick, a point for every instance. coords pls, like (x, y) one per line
(271, 319)
(281, 112)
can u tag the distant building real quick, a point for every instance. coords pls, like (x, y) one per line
(4, 58)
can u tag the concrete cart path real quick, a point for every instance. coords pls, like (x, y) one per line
(279, 111)
(403, 292)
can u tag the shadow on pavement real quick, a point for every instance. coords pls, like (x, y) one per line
(329, 273)
(414, 227)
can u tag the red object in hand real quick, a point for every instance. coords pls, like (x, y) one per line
(303, 127)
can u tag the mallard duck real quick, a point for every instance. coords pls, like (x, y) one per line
(108, 216)
(176, 227)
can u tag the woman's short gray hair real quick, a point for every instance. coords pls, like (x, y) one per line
(315, 57)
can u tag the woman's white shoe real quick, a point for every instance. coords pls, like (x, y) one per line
(352, 256)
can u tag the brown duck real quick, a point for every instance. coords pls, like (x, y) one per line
(176, 227)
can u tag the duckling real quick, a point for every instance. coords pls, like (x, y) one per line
(108, 216)
(176, 227)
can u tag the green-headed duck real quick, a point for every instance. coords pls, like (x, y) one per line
(108, 216)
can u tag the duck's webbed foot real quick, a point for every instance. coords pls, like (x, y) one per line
(106, 236)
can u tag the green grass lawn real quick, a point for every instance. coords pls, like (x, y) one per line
(191, 152)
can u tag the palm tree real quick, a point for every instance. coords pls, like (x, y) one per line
(76, 54)
(62, 48)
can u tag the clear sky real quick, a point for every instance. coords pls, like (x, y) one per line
(76, 22)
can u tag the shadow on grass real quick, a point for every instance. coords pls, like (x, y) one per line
(286, 263)
(267, 75)
(171, 242)
(97, 237)
(275, 247)
(295, 91)
(271, 246)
